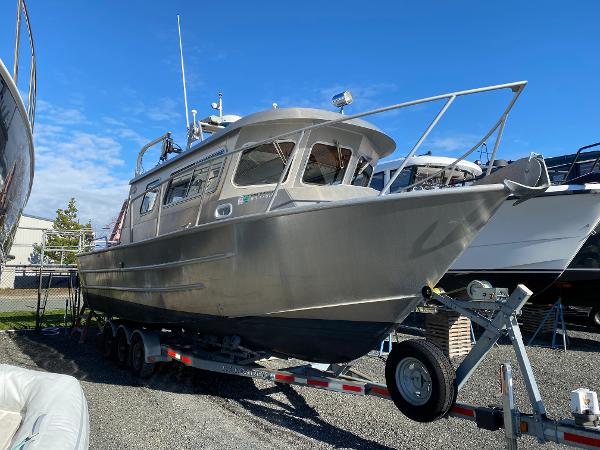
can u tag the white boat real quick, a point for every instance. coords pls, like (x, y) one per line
(530, 242)
(16, 141)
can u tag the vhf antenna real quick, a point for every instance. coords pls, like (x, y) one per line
(187, 119)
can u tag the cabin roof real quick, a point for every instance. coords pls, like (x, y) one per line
(429, 160)
(383, 144)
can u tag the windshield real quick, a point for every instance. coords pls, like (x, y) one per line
(327, 164)
(363, 172)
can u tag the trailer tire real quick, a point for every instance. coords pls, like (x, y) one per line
(139, 366)
(108, 343)
(122, 348)
(420, 380)
(595, 317)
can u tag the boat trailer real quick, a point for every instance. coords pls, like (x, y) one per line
(491, 308)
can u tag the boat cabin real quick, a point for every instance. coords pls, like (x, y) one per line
(238, 169)
(420, 168)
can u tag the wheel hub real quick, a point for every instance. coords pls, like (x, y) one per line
(413, 381)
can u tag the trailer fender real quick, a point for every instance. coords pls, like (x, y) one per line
(152, 348)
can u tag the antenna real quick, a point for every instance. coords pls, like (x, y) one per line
(187, 119)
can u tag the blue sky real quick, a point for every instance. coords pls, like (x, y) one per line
(109, 76)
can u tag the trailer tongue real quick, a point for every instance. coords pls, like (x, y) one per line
(417, 378)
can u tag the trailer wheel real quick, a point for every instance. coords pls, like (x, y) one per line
(108, 343)
(122, 349)
(595, 316)
(139, 366)
(420, 380)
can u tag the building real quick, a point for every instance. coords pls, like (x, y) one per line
(29, 232)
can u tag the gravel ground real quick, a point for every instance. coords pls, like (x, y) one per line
(180, 407)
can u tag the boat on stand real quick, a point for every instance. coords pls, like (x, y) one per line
(267, 231)
(525, 242)
(16, 140)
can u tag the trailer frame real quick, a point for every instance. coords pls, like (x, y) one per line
(229, 357)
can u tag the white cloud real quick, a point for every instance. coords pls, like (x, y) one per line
(48, 112)
(86, 165)
(452, 143)
(166, 109)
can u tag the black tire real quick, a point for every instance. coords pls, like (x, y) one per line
(122, 349)
(108, 343)
(436, 400)
(595, 317)
(139, 366)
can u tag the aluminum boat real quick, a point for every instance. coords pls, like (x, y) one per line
(16, 142)
(268, 231)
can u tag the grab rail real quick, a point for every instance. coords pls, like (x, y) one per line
(516, 87)
(32, 94)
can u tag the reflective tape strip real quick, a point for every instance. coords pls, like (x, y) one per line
(315, 382)
(352, 388)
(462, 411)
(381, 391)
(572, 437)
(282, 377)
(186, 360)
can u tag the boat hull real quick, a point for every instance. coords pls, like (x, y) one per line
(16, 161)
(530, 243)
(321, 283)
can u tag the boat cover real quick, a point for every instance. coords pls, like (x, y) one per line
(52, 407)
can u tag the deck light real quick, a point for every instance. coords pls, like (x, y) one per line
(341, 100)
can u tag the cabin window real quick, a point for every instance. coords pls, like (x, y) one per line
(327, 164)
(178, 188)
(149, 197)
(213, 177)
(362, 173)
(403, 180)
(263, 164)
(377, 182)
(198, 180)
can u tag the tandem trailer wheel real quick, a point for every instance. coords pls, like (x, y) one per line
(139, 366)
(420, 380)
(122, 348)
(108, 343)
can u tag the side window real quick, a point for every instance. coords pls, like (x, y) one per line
(327, 164)
(404, 179)
(198, 181)
(178, 188)
(362, 173)
(149, 197)
(377, 181)
(263, 164)
(213, 177)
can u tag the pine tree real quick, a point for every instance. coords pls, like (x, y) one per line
(66, 220)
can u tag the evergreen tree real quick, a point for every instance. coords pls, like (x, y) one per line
(66, 220)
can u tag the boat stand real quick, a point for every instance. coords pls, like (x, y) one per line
(556, 314)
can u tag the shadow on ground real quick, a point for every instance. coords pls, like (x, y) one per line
(61, 354)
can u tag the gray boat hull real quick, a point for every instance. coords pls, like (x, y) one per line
(321, 283)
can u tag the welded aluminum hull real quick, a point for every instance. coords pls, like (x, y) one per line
(16, 161)
(530, 243)
(321, 283)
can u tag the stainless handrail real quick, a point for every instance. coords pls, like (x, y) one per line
(516, 87)
(32, 94)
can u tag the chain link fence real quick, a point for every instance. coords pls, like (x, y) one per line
(38, 297)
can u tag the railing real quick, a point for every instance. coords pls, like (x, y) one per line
(31, 96)
(586, 147)
(516, 87)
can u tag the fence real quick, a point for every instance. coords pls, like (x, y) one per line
(38, 297)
